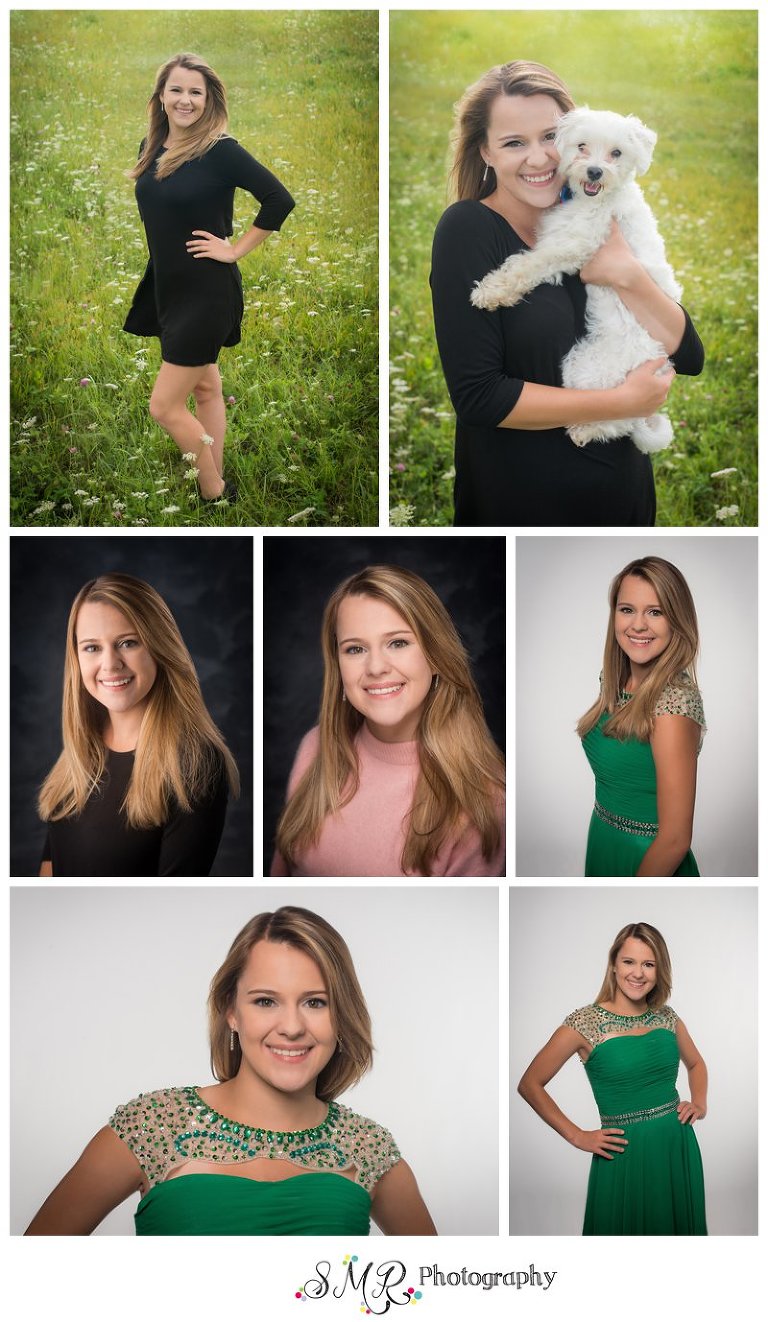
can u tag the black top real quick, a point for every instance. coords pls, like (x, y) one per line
(195, 304)
(505, 476)
(99, 842)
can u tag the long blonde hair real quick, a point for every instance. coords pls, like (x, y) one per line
(676, 664)
(180, 750)
(653, 938)
(462, 772)
(308, 932)
(473, 113)
(202, 135)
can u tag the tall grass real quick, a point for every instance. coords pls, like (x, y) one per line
(303, 383)
(691, 75)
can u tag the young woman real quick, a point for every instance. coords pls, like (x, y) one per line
(401, 776)
(140, 789)
(515, 464)
(646, 1176)
(266, 1150)
(191, 295)
(643, 734)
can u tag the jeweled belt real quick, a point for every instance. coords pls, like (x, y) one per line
(634, 1117)
(627, 824)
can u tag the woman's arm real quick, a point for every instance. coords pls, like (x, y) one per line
(104, 1176)
(46, 868)
(397, 1207)
(675, 746)
(642, 392)
(563, 1044)
(615, 264)
(190, 839)
(696, 1109)
(221, 250)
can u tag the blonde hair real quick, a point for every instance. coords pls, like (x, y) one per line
(675, 665)
(462, 771)
(308, 932)
(653, 938)
(180, 750)
(473, 113)
(208, 129)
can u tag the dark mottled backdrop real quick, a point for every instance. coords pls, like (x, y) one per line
(467, 573)
(208, 584)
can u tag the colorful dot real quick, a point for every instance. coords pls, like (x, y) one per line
(298, 1294)
(417, 1294)
(410, 1289)
(354, 1257)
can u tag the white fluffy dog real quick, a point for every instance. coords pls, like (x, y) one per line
(600, 154)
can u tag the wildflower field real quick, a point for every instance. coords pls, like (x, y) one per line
(690, 75)
(302, 386)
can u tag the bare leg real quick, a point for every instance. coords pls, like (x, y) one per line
(211, 411)
(168, 407)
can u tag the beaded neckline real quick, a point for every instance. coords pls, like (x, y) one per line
(626, 1018)
(263, 1135)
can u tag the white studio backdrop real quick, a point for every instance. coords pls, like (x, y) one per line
(559, 943)
(108, 998)
(562, 616)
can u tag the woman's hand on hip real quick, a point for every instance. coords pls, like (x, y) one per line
(687, 1112)
(600, 1142)
(646, 387)
(614, 264)
(210, 245)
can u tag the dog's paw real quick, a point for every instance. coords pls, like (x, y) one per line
(584, 432)
(484, 296)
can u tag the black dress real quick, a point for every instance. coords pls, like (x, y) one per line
(100, 843)
(195, 304)
(507, 477)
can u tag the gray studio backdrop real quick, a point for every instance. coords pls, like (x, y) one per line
(562, 616)
(128, 969)
(559, 943)
(208, 584)
(467, 573)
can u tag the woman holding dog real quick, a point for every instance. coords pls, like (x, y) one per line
(515, 464)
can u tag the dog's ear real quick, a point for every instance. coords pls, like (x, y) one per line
(644, 141)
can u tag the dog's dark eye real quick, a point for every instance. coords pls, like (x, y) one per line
(582, 146)
(616, 153)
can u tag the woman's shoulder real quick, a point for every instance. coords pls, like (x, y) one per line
(369, 1145)
(467, 218)
(681, 697)
(586, 1021)
(165, 1106)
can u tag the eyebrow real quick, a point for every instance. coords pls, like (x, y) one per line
(268, 991)
(654, 606)
(130, 633)
(513, 134)
(393, 633)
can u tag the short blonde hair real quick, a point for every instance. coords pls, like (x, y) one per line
(308, 932)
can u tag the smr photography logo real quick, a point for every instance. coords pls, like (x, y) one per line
(376, 1287)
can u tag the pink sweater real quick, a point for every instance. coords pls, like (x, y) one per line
(366, 838)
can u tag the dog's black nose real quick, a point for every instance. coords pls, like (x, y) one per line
(594, 173)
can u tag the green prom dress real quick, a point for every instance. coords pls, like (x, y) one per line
(169, 1129)
(656, 1185)
(624, 819)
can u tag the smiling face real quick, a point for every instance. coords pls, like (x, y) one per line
(283, 1019)
(520, 146)
(384, 672)
(642, 629)
(115, 666)
(184, 97)
(635, 973)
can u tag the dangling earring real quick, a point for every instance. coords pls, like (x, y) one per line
(339, 1044)
(343, 696)
(485, 172)
(435, 683)
(231, 1039)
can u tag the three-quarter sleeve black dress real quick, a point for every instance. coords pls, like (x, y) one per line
(195, 304)
(507, 477)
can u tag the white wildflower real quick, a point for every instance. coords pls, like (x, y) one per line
(140, 495)
(401, 515)
(80, 492)
(170, 509)
(302, 514)
(45, 508)
(190, 457)
(727, 512)
(191, 474)
(724, 472)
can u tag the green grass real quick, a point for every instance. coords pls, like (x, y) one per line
(302, 444)
(693, 77)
